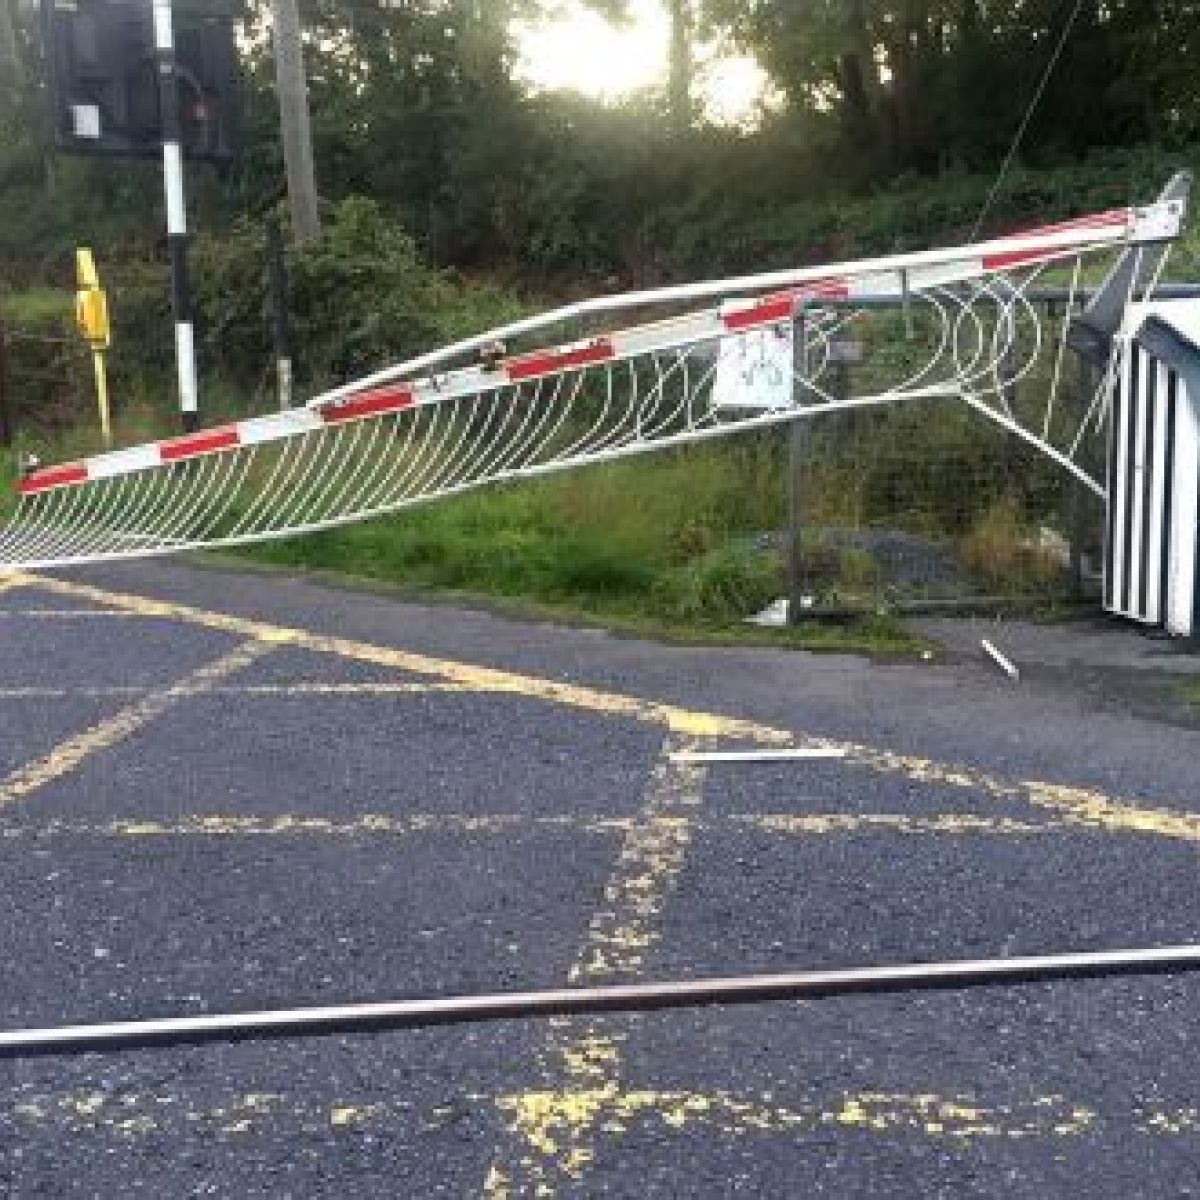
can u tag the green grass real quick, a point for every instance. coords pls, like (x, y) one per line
(661, 547)
(879, 635)
(139, 420)
(652, 538)
(37, 307)
(661, 535)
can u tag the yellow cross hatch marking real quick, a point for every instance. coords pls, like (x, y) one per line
(556, 1143)
(586, 1093)
(69, 754)
(64, 614)
(266, 690)
(1105, 812)
(946, 1118)
(291, 825)
(476, 678)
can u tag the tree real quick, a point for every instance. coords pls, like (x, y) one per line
(681, 64)
(920, 84)
(684, 18)
(11, 73)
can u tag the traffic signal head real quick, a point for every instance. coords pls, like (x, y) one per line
(91, 303)
(104, 78)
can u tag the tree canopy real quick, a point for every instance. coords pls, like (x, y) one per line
(416, 103)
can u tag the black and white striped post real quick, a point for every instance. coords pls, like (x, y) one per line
(181, 292)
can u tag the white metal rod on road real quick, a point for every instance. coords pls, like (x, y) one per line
(755, 756)
(630, 998)
(1005, 664)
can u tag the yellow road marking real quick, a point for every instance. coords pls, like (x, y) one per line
(1084, 807)
(264, 689)
(556, 1142)
(64, 614)
(70, 693)
(652, 856)
(951, 1119)
(1099, 811)
(476, 678)
(344, 689)
(1112, 814)
(69, 754)
(342, 1116)
(290, 825)
(1177, 1121)
(409, 824)
(558, 1125)
(963, 824)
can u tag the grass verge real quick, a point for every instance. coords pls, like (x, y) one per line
(876, 635)
(662, 548)
(37, 306)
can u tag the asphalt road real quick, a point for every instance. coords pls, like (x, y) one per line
(226, 791)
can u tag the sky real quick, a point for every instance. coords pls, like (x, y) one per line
(608, 61)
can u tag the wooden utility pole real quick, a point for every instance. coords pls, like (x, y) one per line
(11, 72)
(11, 77)
(7, 417)
(292, 89)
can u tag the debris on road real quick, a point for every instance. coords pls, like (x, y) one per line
(1000, 660)
(755, 756)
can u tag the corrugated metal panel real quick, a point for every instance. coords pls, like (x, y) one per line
(1152, 536)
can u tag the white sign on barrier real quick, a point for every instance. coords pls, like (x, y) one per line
(754, 370)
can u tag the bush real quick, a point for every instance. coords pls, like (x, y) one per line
(732, 582)
(362, 297)
(47, 365)
(857, 570)
(1001, 553)
(359, 299)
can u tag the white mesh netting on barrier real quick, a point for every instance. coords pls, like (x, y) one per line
(958, 325)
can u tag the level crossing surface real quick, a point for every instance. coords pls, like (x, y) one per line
(224, 791)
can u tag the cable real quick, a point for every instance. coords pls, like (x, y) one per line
(1024, 126)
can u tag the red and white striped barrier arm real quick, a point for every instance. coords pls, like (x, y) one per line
(394, 390)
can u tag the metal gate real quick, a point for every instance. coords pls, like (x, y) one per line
(1152, 543)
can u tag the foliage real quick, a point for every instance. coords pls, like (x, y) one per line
(616, 538)
(47, 369)
(359, 299)
(415, 105)
(362, 297)
(733, 581)
(1002, 551)
(437, 168)
(922, 85)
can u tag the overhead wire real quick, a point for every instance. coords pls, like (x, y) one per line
(1027, 120)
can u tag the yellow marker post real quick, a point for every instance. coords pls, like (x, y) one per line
(91, 318)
